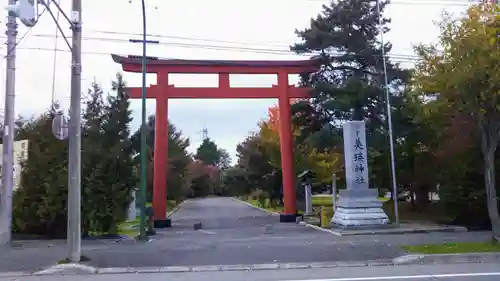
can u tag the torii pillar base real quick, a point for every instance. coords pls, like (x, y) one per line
(288, 217)
(166, 223)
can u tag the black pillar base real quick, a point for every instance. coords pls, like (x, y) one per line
(166, 223)
(288, 218)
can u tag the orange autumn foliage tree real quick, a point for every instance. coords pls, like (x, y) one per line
(323, 163)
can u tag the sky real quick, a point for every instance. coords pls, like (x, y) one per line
(190, 29)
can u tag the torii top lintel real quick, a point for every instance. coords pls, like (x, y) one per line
(156, 65)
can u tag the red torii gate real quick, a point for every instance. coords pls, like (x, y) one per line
(163, 91)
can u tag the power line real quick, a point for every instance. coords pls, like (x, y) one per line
(188, 45)
(204, 46)
(397, 58)
(128, 34)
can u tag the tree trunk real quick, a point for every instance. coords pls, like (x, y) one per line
(489, 143)
(491, 194)
(422, 196)
(412, 200)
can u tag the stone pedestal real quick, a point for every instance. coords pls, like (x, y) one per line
(358, 206)
(359, 209)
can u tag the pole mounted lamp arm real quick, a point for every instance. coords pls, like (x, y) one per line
(25, 10)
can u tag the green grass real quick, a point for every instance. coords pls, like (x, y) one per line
(131, 228)
(326, 200)
(276, 209)
(322, 200)
(318, 201)
(454, 248)
(431, 215)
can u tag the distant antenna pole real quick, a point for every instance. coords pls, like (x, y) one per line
(204, 133)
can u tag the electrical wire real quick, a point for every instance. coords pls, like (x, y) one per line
(273, 51)
(232, 48)
(397, 58)
(55, 58)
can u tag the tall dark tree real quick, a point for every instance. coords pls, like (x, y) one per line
(117, 168)
(108, 174)
(210, 154)
(178, 158)
(349, 84)
(91, 158)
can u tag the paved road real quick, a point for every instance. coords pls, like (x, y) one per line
(462, 272)
(233, 233)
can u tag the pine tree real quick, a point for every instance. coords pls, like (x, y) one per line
(210, 154)
(350, 82)
(115, 176)
(92, 152)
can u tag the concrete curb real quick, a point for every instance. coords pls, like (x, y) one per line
(13, 274)
(80, 269)
(69, 269)
(447, 258)
(319, 228)
(253, 206)
(390, 231)
(395, 231)
(169, 214)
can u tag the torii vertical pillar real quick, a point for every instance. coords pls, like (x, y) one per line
(286, 143)
(160, 161)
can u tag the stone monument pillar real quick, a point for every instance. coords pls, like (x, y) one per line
(358, 206)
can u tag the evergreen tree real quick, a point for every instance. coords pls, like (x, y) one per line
(209, 154)
(40, 203)
(92, 151)
(178, 159)
(349, 85)
(113, 178)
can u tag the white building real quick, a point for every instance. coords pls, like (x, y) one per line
(20, 154)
